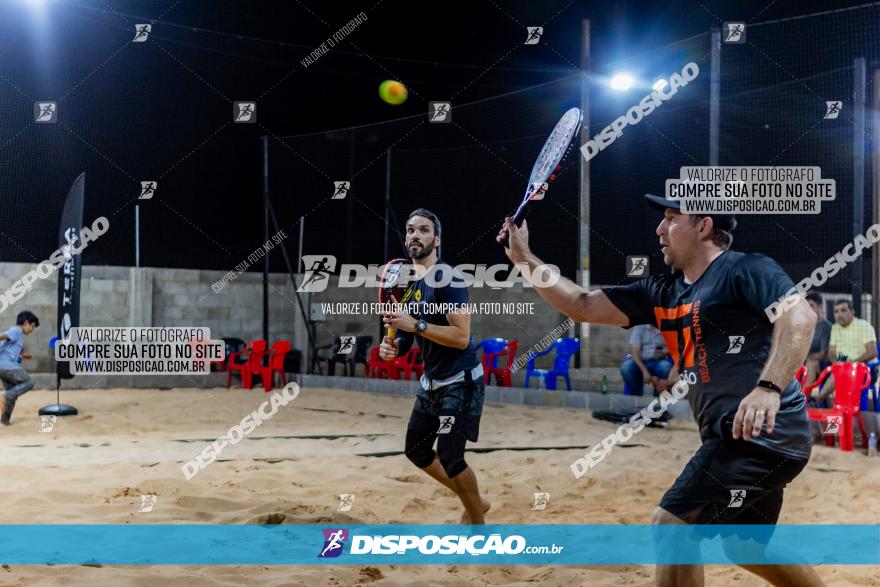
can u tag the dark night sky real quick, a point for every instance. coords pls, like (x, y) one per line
(162, 110)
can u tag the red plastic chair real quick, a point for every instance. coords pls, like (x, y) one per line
(408, 364)
(277, 352)
(377, 368)
(233, 345)
(801, 376)
(251, 360)
(849, 381)
(492, 348)
(502, 374)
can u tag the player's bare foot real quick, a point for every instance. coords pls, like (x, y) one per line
(466, 519)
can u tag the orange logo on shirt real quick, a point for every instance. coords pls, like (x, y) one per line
(671, 321)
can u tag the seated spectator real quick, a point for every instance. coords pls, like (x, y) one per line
(648, 359)
(852, 339)
(817, 359)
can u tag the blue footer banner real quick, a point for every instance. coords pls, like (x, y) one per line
(209, 544)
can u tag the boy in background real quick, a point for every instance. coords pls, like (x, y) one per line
(15, 379)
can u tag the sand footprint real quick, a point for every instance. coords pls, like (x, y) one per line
(269, 519)
(408, 478)
(416, 505)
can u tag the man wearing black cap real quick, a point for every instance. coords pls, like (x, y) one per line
(739, 368)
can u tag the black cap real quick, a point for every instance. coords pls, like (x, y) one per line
(721, 221)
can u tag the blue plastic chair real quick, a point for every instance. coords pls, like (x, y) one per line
(565, 348)
(52, 342)
(493, 347)
(866, 400)
(872, 365)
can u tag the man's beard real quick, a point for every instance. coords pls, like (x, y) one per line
(674, 263)
(423, 252)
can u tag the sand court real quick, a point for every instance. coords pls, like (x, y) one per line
(93, 469)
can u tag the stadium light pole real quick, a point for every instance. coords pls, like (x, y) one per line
(137, 235)
(858, 218)
(714, 94)
(875, 256)
(387, 213)
(582, 359)
(387, 200)
(265, 140)
(349, 203)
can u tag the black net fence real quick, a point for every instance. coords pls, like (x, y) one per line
(773, 102)
(471, 172)
(774, 89)
(207, 212)
(126, 112)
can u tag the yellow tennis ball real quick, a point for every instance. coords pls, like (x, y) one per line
(393, 92)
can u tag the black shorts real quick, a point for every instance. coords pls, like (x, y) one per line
(463, 401)
(731, 482)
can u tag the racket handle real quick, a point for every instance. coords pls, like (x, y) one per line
(518, 219)
(521, 214)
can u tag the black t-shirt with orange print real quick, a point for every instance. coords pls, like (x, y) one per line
(719, 336)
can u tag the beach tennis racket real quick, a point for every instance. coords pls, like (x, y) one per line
(549, 162)
(390, 285)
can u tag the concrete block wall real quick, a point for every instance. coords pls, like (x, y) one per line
(608, 345)
(126, 296)
(333, 325)
(528, 328)
(104, 302)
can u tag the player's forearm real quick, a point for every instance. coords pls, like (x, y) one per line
(792, 336)
(451, 336)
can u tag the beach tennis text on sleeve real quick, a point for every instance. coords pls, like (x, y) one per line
(140, 351)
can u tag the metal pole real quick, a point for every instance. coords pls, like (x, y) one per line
(385, 258)
(875, 255)
(582, 359)
(265, 140)
(387, 200)
(349, 200)
(137, 235)
(310, 336)
(302, 220)
(858, 218)
(714, 95)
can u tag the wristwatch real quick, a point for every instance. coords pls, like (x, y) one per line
(421, 326)
(769, 385)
